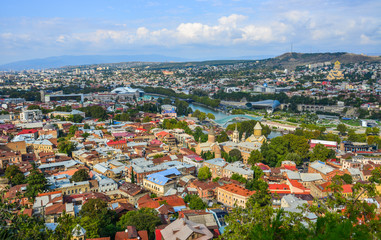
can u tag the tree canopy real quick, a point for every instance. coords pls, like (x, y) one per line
(142, 219)
(204, 173)
(80, 175)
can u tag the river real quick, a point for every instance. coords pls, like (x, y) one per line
(195, 106)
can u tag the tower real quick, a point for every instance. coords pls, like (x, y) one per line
(235, 136)
(243, 136)
(42, 92)
(257, 130)
(211, 136)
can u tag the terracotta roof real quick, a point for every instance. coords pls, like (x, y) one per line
(172, 201)
(236, 189)
(55, 209)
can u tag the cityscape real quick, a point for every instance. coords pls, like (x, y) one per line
(126, 143)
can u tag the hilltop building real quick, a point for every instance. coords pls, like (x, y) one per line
(335, 73)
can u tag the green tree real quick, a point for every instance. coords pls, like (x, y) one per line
(210, 116)
(14, 175)
(73, 129)
(294, 157)
(142, 219)
(204, 173)
(80, 175)
(66, 147)
(238, 178)
(132, 175)
(277, 150)
(321, 153)
(222, 137)
(97, 219)
(195, 202)
(235, 155)
(64, 229)
(36, 183)
(34, 107)
(147, 119)
(342, 128)
(347, 178)
(255, 157)
(75, 118)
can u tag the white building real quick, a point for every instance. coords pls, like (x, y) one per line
(31, 115)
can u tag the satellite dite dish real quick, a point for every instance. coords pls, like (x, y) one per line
(5, 106)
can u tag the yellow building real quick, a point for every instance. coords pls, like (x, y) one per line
(335, 73)
(233, 194)
(257, 137)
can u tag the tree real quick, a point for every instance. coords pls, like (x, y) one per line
(14, 175)
(142, 219)
(36, 183)
(276, 151)
(73, 129)
(195, 202)
(85, 135)
(132, 175)
(66, 147)
(97, 219)
(147, 119)
(235, 155)
(347, 178)
(342, 128)
(80, 175)
(294, 157)
(204, 173)
(34, 107)
(222, 137)
(238, 178)
(321, 153)
(210, 116)
(75, 118)
(64, 229)
(255, 157)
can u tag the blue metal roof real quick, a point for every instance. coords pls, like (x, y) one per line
(170, 171)
(160, 177)
(265, 103)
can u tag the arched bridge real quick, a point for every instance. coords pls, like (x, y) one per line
(232, 118)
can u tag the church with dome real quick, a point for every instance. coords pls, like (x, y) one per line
(336, 73)
(245, 145)
(211, 145)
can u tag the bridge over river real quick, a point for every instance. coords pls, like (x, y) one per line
(235, 118)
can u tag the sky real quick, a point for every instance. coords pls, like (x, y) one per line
(200, 29)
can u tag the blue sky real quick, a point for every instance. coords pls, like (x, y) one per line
(200, 29)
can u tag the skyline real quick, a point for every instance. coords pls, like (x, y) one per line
(197, 30)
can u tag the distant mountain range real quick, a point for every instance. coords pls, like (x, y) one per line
(287, 60)
(61, 61)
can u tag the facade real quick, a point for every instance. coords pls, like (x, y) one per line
(233, 194)
(210, 146)
(168, 110)
(160, 182)
(216, 166)
(31, 115)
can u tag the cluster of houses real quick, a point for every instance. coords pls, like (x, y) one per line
(134, 165)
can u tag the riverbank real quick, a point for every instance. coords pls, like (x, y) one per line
(197, 106)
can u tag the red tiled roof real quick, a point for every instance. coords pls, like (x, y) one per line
(234, 188)
(347, 188)
(27, 131)
(116, 142)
